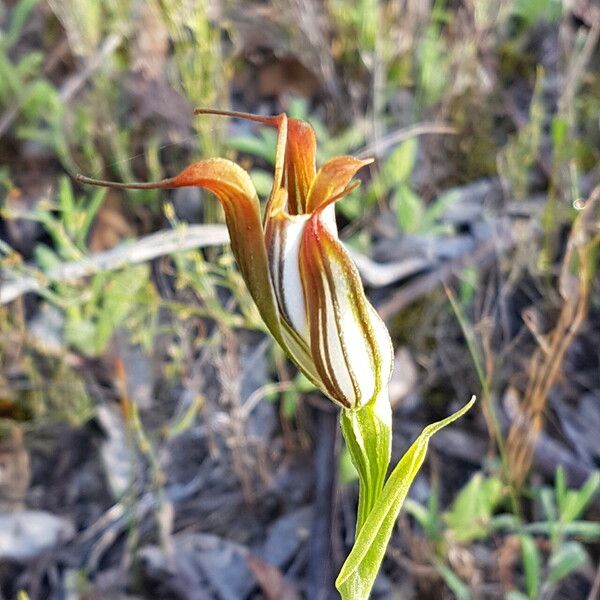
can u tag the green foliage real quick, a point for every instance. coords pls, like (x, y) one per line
(563, 509)
(428, 517)
(568, 557)
(472, 516)
(202, 70)
(110, 299)
(24, 91)
(533, 11)
(433, 65)
(521, 152)
(93, 312)
(54, 392)
(471, 512)
(454, 582)
(294, 395)
(20, 12)
(393, 179)
(531, 565)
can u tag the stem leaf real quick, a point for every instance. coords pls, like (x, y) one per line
(358, 573)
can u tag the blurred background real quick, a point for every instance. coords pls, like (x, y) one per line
(154, 443)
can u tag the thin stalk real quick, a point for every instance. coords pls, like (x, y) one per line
(490, 407)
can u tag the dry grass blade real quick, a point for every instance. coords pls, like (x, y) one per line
(545, 364)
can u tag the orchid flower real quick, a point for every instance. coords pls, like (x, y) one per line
(304, 283)
(309, 294)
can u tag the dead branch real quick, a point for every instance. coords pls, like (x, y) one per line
(148, 248)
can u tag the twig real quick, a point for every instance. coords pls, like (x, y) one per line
(595, 591)
(380, 146)
(425, 283)
(147, 248)
(376, 274)
(167, 242)
(74, 83)
(546, 362)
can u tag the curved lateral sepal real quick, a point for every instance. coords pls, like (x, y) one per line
(235, 191)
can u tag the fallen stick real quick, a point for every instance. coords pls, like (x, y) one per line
(150, 247)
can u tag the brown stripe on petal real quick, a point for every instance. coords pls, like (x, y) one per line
(332, 281)
(312, 269)
(338, 322)
(361, 307)
(312, 272)
(366, 315)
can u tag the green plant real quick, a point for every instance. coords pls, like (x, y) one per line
(520, 153)
(532, 11)
(563, 525)
(470, 515)
(473, 516)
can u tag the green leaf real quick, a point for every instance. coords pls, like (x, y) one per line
(261, 145)
(574, 502)
(583, 529)
(433, 62)
(437, 208)
(89, 215)
(471, 511)
(18, 19)
(358, 573)
(548, 504)
(559, 129)
(566, 559)
(457, 586)
(66, 202)
(531, 566)
(399, 166)
(560, 487)
(428, 517)
(263, 182)
(409, 209)
(532, 11)
(45, 257)
(120, 297)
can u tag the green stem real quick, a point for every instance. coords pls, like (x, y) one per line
(368, 435)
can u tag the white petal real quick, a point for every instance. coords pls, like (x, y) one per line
(328, 218)
(284, 237)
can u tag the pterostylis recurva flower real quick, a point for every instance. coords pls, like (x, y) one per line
(310, 296)
(305, 285)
